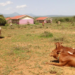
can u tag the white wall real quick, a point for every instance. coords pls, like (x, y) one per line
(26, 18)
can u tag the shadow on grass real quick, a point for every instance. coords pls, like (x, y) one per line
(56, 61)
(1, 37)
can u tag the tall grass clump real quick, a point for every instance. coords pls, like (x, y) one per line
(46, 34)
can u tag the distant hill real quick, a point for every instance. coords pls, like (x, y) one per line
(10, 15)
(59, 15)
(32, 15)
(15, 14)
(55, 16)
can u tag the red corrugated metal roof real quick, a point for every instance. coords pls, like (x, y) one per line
(17, 17)
(7, 18)
(41, 18)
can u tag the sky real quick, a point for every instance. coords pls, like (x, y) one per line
(38, 7)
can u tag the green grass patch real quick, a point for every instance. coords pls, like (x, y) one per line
(46, 34)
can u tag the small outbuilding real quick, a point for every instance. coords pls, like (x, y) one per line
(44, 20)
(22, 19)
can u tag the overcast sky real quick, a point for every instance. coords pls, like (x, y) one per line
(38, 7)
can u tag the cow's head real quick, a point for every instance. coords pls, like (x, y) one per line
(56, 51)
(54, 54)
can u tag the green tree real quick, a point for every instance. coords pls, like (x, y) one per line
(2, 21)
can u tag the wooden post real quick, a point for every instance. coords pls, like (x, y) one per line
(0, 31)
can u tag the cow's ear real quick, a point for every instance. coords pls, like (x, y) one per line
(57, 44)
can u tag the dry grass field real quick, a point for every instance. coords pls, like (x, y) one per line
(24, 52)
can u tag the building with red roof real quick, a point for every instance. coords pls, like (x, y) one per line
(9, 20)
(44, 19)
(21, 19)
(41, 18)
(18, 17)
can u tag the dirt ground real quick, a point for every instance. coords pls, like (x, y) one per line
(23, 52)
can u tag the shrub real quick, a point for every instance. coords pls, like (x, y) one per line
(67, 19)
(56, 20)
(64, 19)
(6, 24)
(61, 20)
(47, 34)
(2, 21)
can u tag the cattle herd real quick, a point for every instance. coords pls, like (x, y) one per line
(65, 55)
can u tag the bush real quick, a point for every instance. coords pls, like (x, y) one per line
(2, 21)
(47, 34)
(61, 20)
(6, 24)
(67, 19)
(64, 19)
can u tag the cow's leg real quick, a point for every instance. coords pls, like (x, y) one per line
(57, 64)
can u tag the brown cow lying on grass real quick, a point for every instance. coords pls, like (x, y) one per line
(65, 59)
(59, 47)
(65, 55)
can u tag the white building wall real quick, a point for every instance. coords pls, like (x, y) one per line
(26, 18)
